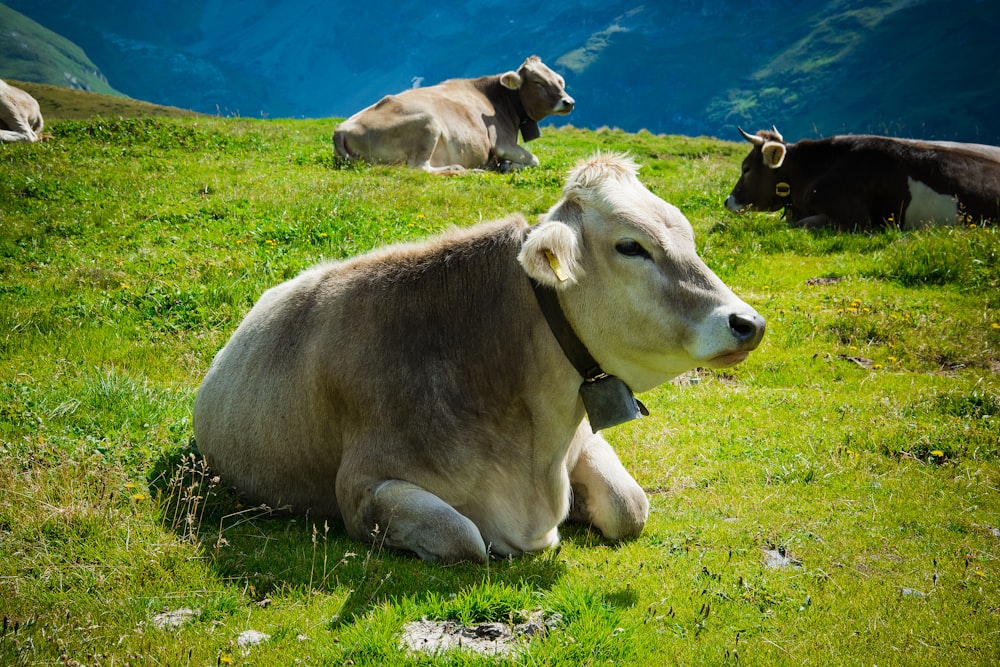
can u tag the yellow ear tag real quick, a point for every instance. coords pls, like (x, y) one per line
(556, 267)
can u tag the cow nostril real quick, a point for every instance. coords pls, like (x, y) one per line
(747, 329)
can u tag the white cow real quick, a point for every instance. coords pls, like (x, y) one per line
(20, 116)
(418, 393)
(458, 124)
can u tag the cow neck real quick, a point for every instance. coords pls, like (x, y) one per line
(606, 398)
(525, 123)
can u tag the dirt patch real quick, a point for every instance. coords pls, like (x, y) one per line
(824, 281)
(436, 637)
(778, 559)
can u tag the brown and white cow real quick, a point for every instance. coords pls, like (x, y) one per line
(458, 124)
(20, 115)
(417, 392)
(863, 182)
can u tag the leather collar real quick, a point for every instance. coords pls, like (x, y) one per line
(607, 399)
(525, 124)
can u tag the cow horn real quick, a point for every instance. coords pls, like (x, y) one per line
(752, 138)
(774, 128)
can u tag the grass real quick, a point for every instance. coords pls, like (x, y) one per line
(861, 441)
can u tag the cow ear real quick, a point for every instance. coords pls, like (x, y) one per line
(773, 153)
(511, 80)
(551, 254)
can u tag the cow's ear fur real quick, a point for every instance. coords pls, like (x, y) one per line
(773, 153)
(551, 254)
(511, 80)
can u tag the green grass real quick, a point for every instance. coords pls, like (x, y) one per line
(862, 440)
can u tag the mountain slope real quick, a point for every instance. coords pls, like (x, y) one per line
(913, 67)
(903, 68)
(31, 52)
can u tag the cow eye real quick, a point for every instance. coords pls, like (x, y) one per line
(631, 248)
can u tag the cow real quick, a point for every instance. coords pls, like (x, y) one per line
(864, 182)
(458, 124)
(20, 115)
(419, 394)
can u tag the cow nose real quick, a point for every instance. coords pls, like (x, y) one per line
(568, 103)
(747, 329)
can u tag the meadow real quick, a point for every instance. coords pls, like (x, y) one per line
(835, 500)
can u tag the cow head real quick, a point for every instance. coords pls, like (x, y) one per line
(761, 186)
(630, 281)
(542, 92)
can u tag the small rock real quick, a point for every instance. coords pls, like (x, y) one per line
(251, 638)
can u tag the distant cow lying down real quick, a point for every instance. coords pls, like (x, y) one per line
(417, 392)
(867, 182)
(20, 116)
(458, 124)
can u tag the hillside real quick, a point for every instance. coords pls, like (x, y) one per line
(694, 67)
(31, 52)
(60, 103)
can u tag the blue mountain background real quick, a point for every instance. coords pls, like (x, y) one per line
(919, 68)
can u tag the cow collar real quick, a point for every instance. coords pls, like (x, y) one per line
(606, 398)
(525, 123)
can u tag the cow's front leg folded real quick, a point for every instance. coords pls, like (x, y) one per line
(604, 493)
(515, 157)
(402, 515)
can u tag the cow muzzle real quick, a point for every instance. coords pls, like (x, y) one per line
(745, 332)
(733, 205)
(747, 329)
(565, 105)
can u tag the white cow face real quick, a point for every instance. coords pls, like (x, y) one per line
(630, 281)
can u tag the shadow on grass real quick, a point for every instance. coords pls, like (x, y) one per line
(264, 551)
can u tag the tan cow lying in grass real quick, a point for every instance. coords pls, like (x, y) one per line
(20, 116)
(418, 393)
(458, 124)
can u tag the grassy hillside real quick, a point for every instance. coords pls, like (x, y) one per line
(832, 501)
(31, 52)
(893, 67)
(60, 103)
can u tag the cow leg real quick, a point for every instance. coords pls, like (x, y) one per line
(518, 156)
(818, 221)
(15, 129)
(604, 493)
(402, 515)
(11, 137)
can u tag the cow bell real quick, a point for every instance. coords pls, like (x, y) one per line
(609, 402)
